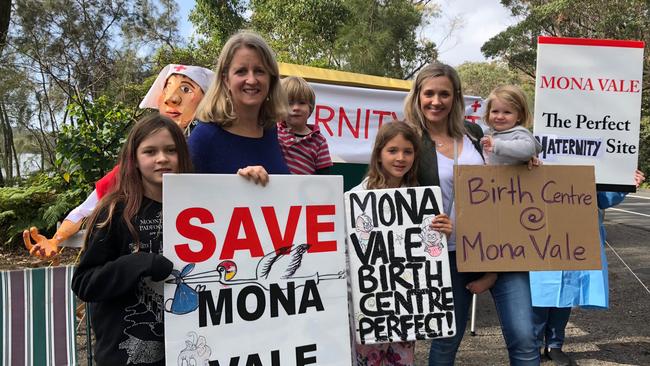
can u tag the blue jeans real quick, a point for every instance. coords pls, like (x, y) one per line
(511, 295)
(550, 324)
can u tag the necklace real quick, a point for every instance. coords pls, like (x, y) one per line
(440, 137)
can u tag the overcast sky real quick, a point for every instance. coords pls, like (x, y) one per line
(481, 20)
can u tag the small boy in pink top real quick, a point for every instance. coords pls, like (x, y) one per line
(304, 147)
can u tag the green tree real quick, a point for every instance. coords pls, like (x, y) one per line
(301, 31)
(379, 38)
(479, 78)
(376, 37)
(216, 21)
(77, 50)
(88, 146)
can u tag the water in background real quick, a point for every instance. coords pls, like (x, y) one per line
(29, 163)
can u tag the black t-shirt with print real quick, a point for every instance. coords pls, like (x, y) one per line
(114, 276)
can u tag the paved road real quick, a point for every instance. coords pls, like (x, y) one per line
(632, 213)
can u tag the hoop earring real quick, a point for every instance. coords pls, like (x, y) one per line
(230, 107)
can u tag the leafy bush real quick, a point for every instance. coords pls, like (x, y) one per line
(87, 149)
(20, 208)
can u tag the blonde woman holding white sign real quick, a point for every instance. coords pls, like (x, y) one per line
(434, 107)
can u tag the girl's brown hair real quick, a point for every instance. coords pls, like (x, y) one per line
(376, 175)
(128, 189)
(412, 111)
(515, 98)
(217, 105)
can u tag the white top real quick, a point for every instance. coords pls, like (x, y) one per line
(468, 156)
(84, 209)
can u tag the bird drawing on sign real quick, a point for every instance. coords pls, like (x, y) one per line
(277, 267)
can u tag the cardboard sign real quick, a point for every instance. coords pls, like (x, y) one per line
(399, 267)
(588, 106)
(511, 219)
(259, 272)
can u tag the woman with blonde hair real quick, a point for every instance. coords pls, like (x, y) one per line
(237, 132)
(434, 107)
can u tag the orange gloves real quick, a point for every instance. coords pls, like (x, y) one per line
(45, 248)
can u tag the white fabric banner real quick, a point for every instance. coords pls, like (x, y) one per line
(399, 267)
(588, 105)
(259, 272)
(349, 117)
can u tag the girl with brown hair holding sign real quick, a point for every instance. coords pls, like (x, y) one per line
(393, 164)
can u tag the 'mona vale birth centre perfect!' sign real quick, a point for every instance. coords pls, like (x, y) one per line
(399, 267)
(588, 106)
(259, 272)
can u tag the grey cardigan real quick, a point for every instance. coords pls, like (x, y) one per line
(514, 146)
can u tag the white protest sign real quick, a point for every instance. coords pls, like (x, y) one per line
(259, 272)
(399, 267)
(588, 106)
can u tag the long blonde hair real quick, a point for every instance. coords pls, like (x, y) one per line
(217, 105)
(413, 113)
(388, 131)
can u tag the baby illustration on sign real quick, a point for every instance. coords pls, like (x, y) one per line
(196, 352)
(431, 239)
(363, 228)
(277, 268)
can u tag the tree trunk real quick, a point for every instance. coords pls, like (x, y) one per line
(8, 137)
(2, 156)
(5, 16)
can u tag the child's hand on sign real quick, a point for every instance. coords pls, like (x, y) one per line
(534, 162)
(442, 223)
(488, 143)
(639, 177)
